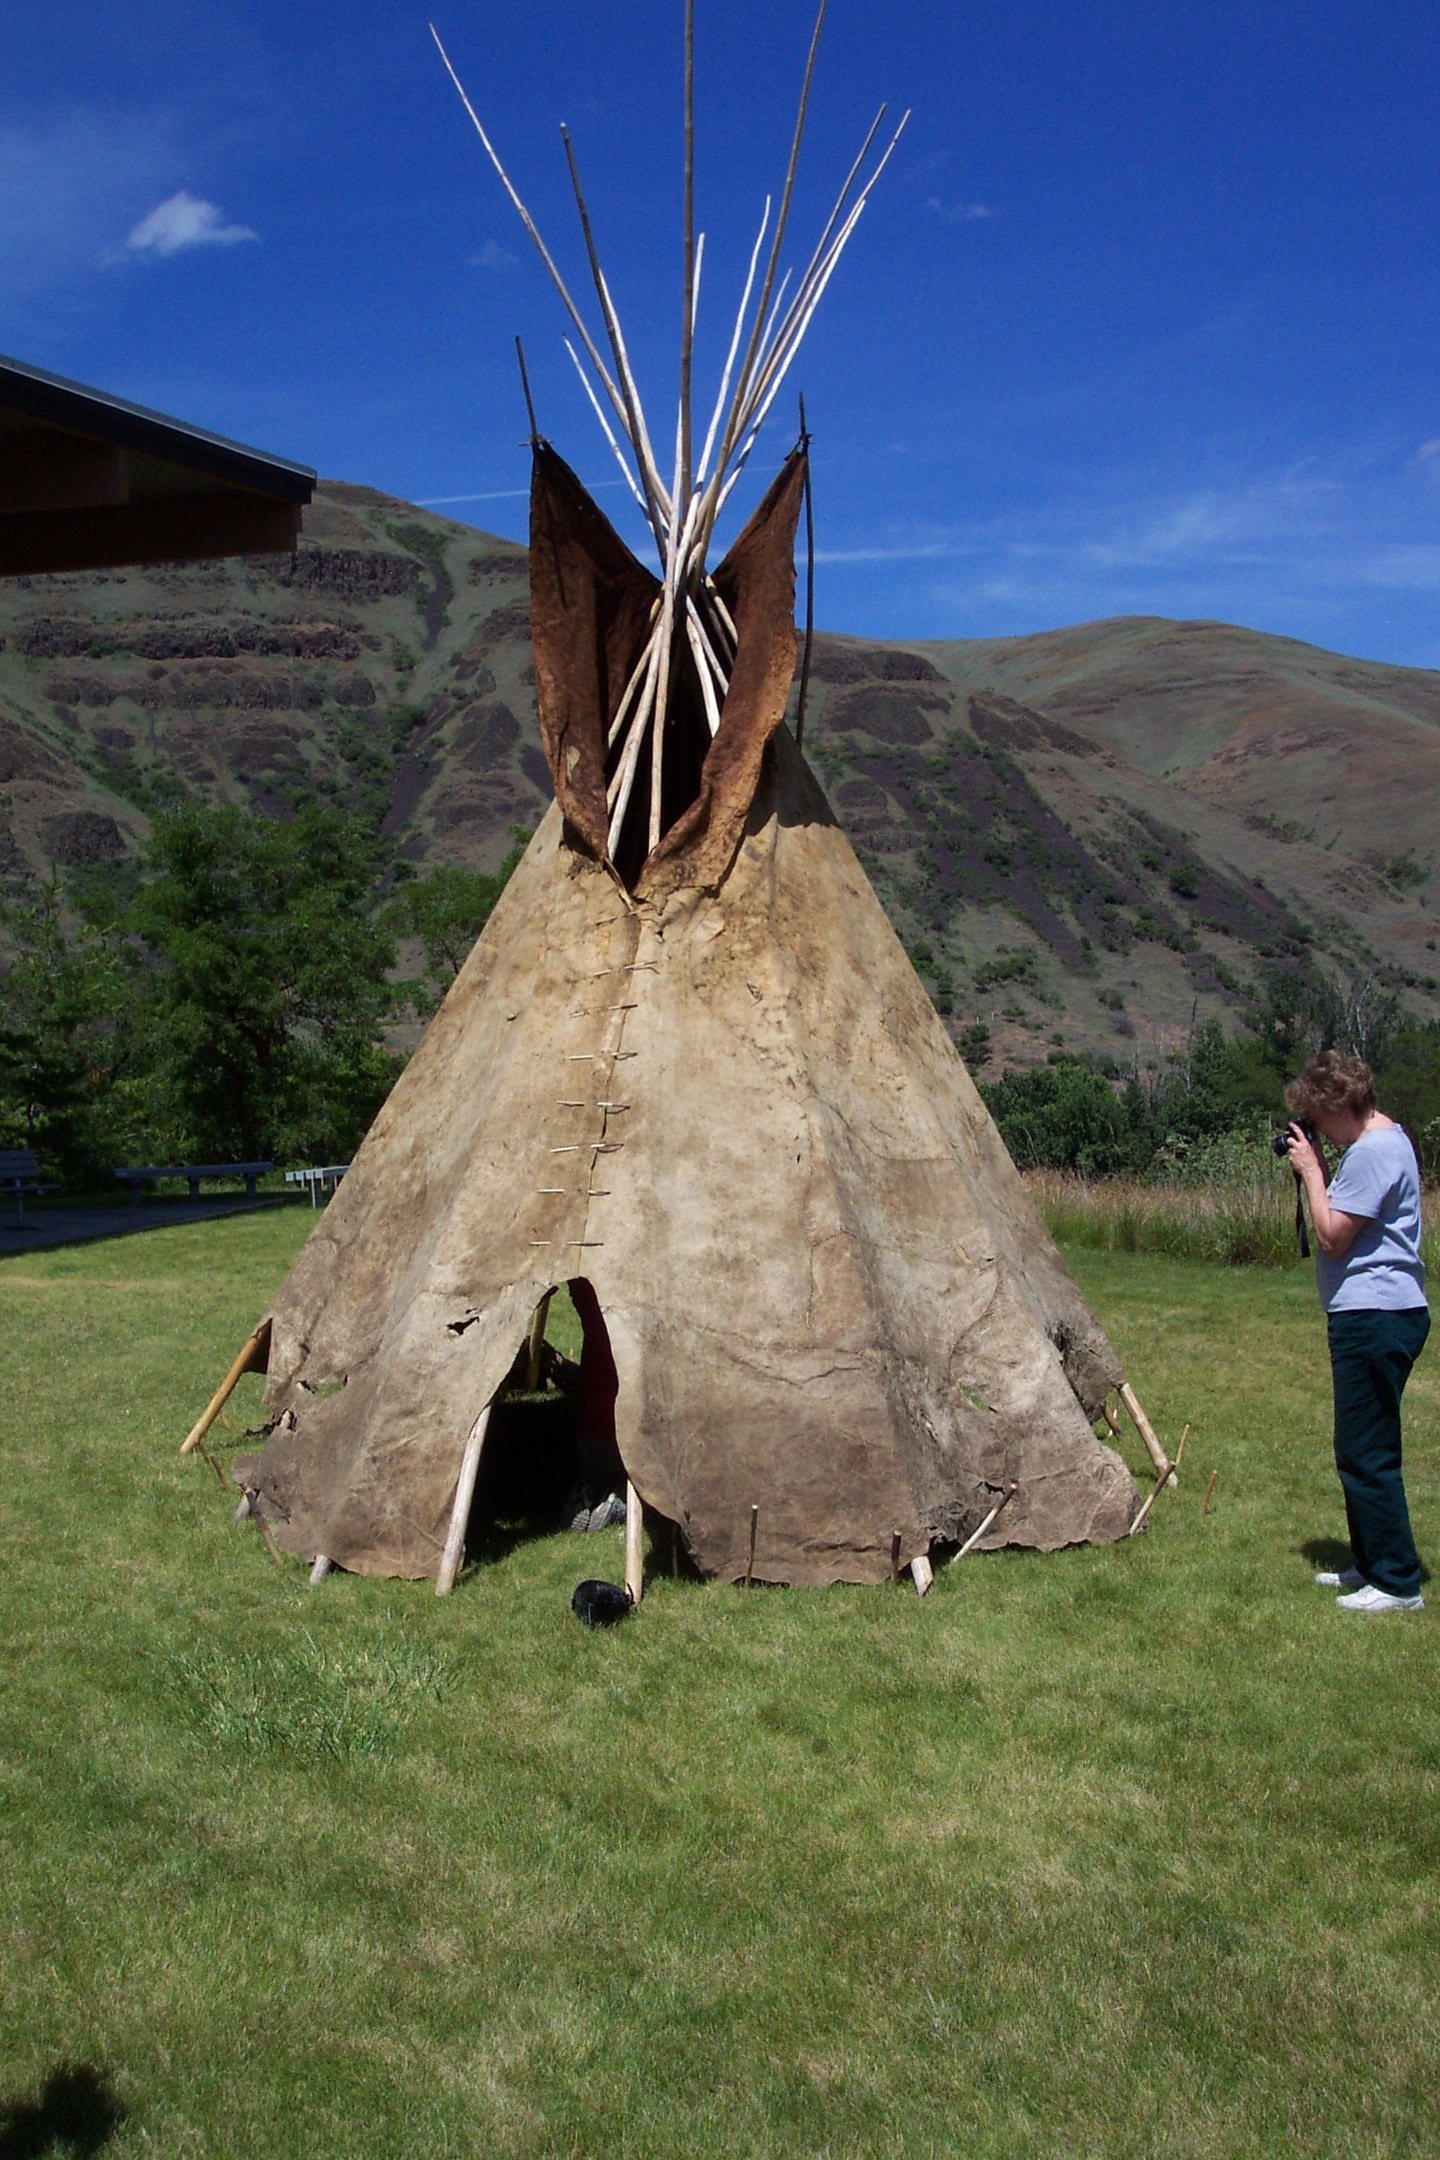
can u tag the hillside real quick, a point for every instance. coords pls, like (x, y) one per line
(1085, 837)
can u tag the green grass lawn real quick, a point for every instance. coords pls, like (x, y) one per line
(1129, 1851)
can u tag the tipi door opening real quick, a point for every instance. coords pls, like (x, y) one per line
(549, 1456)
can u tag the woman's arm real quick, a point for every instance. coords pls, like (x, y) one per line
(1335, 1231)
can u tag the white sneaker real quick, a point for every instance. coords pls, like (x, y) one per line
(1369, 1599)
(1348, 1578)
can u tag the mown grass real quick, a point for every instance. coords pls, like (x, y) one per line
(1117, 1852)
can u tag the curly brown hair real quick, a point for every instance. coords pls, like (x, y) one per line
(1330, 1085)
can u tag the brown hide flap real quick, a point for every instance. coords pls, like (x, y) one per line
(757, 583)
(590, 607)
(590, 603)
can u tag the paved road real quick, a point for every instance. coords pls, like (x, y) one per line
(49, 1226)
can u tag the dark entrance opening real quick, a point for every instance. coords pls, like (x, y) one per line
(550, 1452)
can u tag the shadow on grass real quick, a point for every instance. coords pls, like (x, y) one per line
(76, 2112)
(1326, 1552)
(92, 1223)
(1321, 1552)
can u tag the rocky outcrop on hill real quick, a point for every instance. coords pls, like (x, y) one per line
(56, 638)
(349, 574)
(82, 836)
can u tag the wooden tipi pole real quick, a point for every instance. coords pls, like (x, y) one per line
(1146, 1430)
(254, 1357)
(634, 1544)
(454, 1551)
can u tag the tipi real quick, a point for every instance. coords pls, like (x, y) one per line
(689, 1064)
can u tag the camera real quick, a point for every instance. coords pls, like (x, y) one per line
(1281, 1142)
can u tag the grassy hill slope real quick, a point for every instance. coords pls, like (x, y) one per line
(1086, 837)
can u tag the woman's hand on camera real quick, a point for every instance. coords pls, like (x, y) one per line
(1304, 1159)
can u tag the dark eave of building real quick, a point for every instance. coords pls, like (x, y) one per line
(89, 482)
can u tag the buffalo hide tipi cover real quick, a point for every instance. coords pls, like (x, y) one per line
(702, 1076)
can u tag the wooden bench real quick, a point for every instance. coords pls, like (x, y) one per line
(193, 1173)
(19, 1175)
(323, 1178)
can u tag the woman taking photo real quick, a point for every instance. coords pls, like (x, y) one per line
(1366, 1222)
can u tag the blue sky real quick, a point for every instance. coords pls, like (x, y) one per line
(1143, 318)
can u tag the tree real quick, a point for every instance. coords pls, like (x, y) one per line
(62, 1040)
(1368, 1016)
(974, 1045)
(1216, 1085)
(1068, 1117)
(1301, 1010)
(1409, 1089)
(444, 913)
(265, 988)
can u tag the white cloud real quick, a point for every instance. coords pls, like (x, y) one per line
(438, 502)
(960, 213)
(184, 221)
(900, 551)
(1250, 522)
(61, 177)
(491, 257)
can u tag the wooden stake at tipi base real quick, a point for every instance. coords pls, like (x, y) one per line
(988, 1524)
(536, 1342)
(819, 1273)
(750, 1550)
(1165, 1475)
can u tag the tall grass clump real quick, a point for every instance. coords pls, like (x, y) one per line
(305, 1698)
(1228, 1200)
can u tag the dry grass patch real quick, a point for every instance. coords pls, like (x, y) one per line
(1242, 1214)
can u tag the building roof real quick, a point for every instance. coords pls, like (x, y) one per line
(88, 481)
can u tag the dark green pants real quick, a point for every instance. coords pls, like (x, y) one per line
(1371, 1354)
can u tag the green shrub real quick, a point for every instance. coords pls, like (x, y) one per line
(1011, 964)
(1065, 1116)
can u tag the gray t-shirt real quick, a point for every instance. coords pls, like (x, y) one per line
(1378, 1179)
